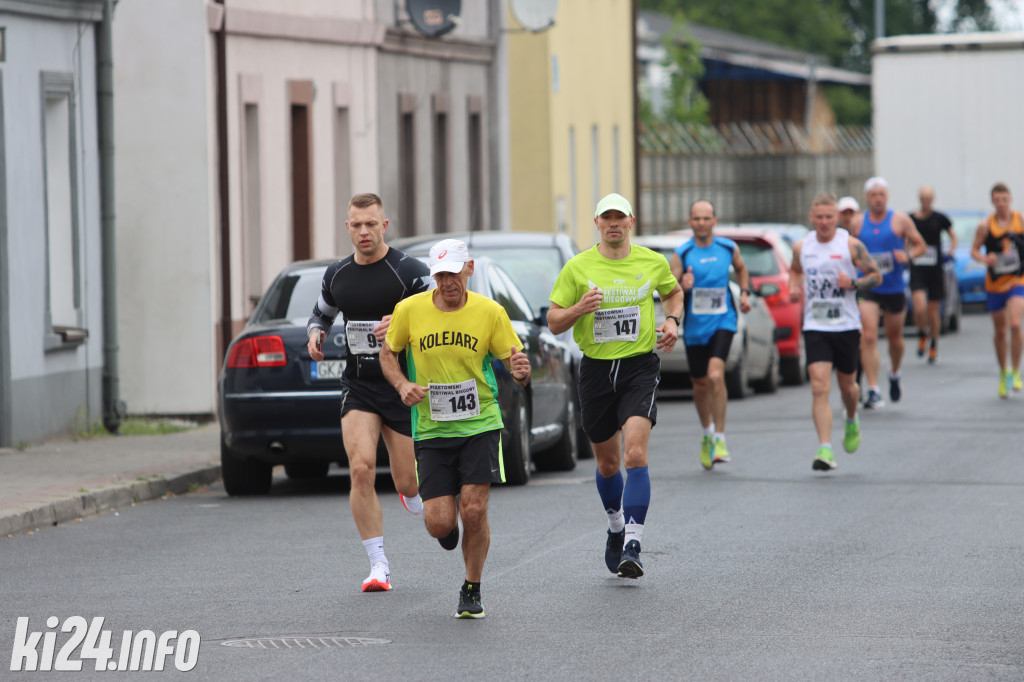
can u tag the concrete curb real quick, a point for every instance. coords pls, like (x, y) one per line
(92, 503)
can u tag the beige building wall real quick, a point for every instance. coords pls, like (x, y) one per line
(585, 90)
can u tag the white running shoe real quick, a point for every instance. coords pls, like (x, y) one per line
(379, 580)
(413, 505)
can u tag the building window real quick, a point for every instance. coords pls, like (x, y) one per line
(64, 278)
(476, 164)
(595, 165)
(441, 181)
(407, 163)
(616, 160)
(300, 95)
(573, 208)
(342, 176)
(252, 236)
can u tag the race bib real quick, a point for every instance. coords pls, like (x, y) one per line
(451, 402)
(884, 260)
(361, 339)
(617, 324)
(929, 257)
(1007, 262)
(828, 311)
(708, 301)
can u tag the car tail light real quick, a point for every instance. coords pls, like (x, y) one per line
(258, 351)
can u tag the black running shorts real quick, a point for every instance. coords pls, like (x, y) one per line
(842, 349)
(377, 397)
(444, 465)
(611, 391)
(890, 303)
(698, 357)
(930, 278)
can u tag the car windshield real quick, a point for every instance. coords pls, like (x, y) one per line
(759, 259)
(533, 269)
(292, 297)
(965, 226)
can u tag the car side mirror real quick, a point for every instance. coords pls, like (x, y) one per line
(542, 316)
(767, 289)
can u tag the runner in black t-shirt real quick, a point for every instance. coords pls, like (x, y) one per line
(365, 288)
(926, 277)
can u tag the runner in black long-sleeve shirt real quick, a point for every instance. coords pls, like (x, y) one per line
(364, 288)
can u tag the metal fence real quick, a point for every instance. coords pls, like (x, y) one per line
(752, 172)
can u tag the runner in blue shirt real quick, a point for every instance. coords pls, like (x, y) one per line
(702, 267)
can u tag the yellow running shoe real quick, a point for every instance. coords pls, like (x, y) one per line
(1005, 384)
(705, 452)
(721, 452)
(1017, 383)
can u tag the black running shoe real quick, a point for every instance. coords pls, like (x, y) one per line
(450, 541)
(469, 603)
(630, 566)
(613, 550)
(895, 390)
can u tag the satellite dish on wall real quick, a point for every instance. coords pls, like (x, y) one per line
(534, 15)
(434, 18)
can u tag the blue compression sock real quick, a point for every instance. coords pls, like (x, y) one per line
(636, 496)
(610, 490)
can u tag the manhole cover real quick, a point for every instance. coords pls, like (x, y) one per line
(304, 642)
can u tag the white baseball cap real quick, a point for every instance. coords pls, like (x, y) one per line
(848, 204)
(614, 202)
(448, 255)
(875, 183)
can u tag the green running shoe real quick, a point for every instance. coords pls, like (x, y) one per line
(824, 461)
(851, 441)
(721, 452)
(705, 452)
(1005, 384)
(1017, 383)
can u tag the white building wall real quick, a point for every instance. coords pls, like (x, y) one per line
(166, 206)
(950, 119)
(53, 391)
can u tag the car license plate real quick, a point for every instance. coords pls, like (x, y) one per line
(326, 369)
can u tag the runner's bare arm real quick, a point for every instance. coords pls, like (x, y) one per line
(671, 305)
(952, 238)
(561, 319)
(518, 365)
(863, 260)
(676, 266)
(988, 259)
(911, 236)
(743, 278)
(410, 392)
(796, 275)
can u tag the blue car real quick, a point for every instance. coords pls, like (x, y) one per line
(969, 272)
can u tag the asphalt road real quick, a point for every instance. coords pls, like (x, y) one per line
(907, 562)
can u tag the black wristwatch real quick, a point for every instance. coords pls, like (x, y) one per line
(673, 317)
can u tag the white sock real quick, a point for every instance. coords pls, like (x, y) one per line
(710, 431)
(894, 375)
(413, 504)
(633, 532)
(874, 388)
(616, 521)
(826, 445)
(375, 550)
(720, 436)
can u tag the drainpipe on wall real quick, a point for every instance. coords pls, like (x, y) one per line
(634, 18)
(222, 182)
(113, 407)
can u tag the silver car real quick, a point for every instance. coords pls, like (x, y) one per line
(753, 360)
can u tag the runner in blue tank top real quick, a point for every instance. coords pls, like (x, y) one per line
(702, 267)
(884, 232)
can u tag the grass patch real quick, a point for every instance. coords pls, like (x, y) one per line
(138, 426)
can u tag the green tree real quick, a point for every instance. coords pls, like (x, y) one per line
(686, 102)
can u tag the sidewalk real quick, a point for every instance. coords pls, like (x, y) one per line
(65, 480)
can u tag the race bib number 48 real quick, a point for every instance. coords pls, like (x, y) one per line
(828, 311)
(617, 324)
(451, 402)
(361, 339)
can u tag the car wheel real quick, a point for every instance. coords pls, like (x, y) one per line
(244, 476)
(737, 381)
(301, 470)
(515, 443)
(770, 382)
(794, 370)
(562, 456)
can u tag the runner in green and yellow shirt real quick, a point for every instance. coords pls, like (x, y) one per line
(606, 295)
(452, 336)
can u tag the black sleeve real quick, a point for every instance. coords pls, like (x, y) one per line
(325, 309)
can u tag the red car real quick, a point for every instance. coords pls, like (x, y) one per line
(767, 255)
